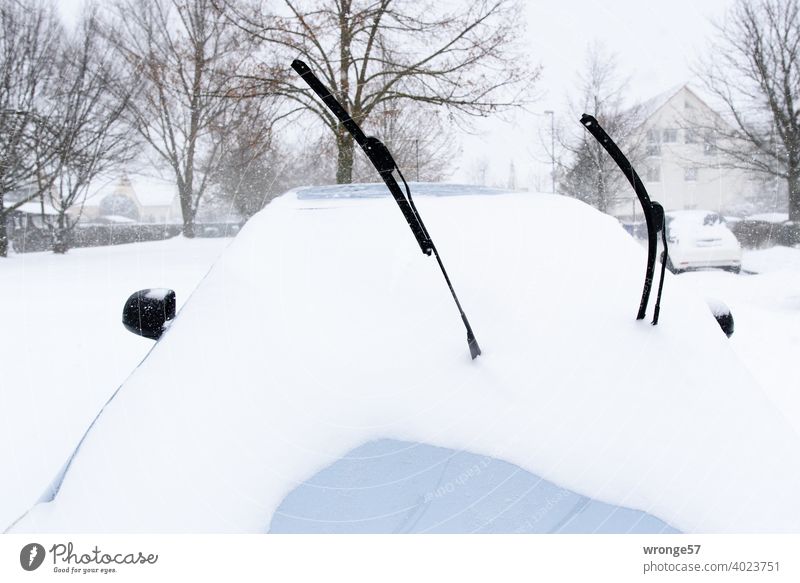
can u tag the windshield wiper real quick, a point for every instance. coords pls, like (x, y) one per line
(653, 216)
(382, 159)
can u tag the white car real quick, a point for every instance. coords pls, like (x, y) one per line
(318, 380)
(700, 239)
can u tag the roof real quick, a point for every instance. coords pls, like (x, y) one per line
(34, 207)
(323, 328)
(149, 190)
(652, 106)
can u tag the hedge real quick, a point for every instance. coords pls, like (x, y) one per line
(31, 240)
(754, 234)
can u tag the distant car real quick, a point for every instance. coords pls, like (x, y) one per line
(701, 239)
(318, 380)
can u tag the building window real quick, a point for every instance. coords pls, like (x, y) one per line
(653, 149)
(653, 174)
(690, 174)
(670, 136)
(709, 144)
(691, 137)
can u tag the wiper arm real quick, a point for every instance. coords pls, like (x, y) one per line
(653, 216)
(382, 159)
(377, 153)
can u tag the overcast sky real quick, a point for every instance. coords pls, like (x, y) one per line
(655, 41)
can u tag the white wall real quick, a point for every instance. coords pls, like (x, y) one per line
(690, 175)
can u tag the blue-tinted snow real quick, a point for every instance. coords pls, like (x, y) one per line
(389, 486)
(379, 189)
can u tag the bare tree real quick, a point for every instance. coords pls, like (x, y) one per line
(254, 168)
(87, 107)
(587, 171)
(246, 183)
(257, 166)
(753, 69)
(511, 183)
(29, 42)
(187, 54)
(419, 139)
(479, 170)
(376, 54)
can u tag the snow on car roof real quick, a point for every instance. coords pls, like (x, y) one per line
(691, 215)
(323, 327)
(698, 221)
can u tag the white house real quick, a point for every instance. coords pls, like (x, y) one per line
(136, 197)
(683, 167)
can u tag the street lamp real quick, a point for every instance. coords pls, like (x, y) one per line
(552, 115)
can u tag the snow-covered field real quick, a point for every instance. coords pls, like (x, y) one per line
(63, 349)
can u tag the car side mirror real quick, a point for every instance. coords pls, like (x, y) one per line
(147, 312)
(722, 313)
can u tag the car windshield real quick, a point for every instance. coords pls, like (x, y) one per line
(389, 486)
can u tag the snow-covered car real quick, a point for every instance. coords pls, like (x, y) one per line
(318, 380)
(700, 239)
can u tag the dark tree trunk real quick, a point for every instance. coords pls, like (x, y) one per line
(3, 236)
(188, 220)
(187, 209)
(602, 190)
(793, 181)
(61, 235)
(344, 142)
(188, 228)
(344, 162)
(3, 227)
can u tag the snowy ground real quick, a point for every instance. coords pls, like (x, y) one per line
(766, 307)
(64, 350)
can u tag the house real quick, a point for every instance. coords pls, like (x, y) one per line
(132, 198)
(30, 214)
(34, 214)
(683, 166)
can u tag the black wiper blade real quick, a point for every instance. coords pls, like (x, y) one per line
(373, 148)
(382, 159)
(653, 215)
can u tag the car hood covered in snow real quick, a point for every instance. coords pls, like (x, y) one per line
(323, 328)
